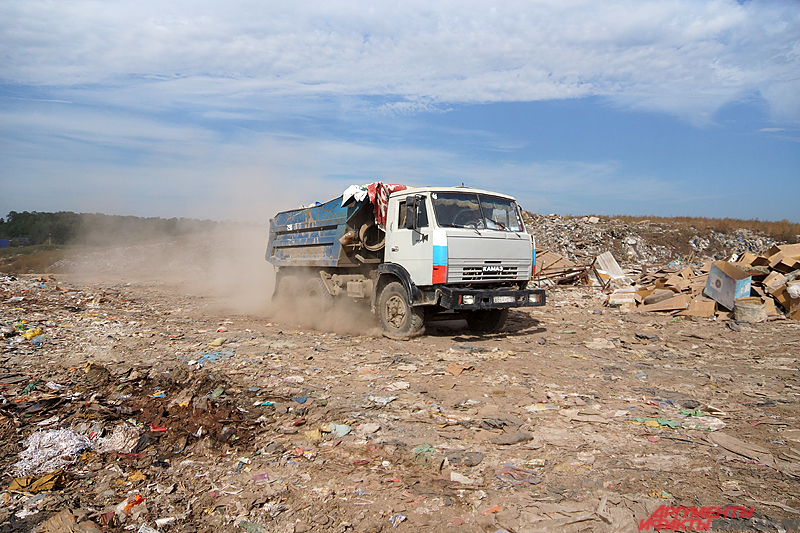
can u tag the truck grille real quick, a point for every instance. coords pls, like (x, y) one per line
(487, 272)
(476, 273)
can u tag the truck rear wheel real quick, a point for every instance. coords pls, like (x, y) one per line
(399, 319)
(487, 320)
(318, 294)
(288, 287)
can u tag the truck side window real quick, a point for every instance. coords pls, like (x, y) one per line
(422, 220)
(401, 215)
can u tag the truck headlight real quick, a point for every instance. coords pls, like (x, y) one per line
(533, 298)
(468, 299)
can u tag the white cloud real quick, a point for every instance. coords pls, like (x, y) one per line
(679, 56)
(164, 170)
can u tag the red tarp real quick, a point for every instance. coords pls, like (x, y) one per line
(379, 196)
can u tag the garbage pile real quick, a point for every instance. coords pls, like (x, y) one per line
(750, 287)
(579, 240)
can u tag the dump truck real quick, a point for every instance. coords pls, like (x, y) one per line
(414, 255)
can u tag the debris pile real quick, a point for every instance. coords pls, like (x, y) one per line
(751, 289)
(579, 240)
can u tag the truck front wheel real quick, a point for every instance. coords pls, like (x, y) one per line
(399, 319)
(487, 320)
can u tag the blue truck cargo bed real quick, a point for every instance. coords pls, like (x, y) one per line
(309, 237)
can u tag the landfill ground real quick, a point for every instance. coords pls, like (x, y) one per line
(577, 417)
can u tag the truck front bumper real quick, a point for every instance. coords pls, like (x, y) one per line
(473, 299)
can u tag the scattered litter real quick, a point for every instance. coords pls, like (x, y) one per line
(396, 386)
(422, 453)
(542, 407)
(457, 370)
(337, 430)
(381, 400)
(706, 423)
(34, 484)
(397, 519)
(213, 357)
(461, 478)
(509, 474)
(50, 450)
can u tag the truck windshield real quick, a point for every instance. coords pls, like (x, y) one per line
(479, 211)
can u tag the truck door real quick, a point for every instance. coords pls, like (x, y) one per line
(410, 248)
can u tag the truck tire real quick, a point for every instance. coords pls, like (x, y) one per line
(487, 320)
(317, 294)
(288, 287)
(399, 319)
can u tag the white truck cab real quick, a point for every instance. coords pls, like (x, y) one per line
(464, 251)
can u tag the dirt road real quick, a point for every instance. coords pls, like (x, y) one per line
(576, 418)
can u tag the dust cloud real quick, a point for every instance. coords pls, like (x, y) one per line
(224, 267)
(344, 316)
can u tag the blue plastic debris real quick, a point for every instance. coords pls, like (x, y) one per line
(300, 399)
(215, 357)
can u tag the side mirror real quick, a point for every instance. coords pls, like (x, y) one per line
(411, 213)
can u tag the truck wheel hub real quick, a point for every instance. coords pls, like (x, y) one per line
(395, 311)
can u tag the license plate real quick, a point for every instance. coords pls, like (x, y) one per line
(492, 268)
(503, 299)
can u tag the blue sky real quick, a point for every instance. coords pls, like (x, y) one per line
(235, 110)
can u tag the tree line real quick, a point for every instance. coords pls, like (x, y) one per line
(66, 227)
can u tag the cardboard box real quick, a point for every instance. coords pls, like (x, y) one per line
(772, 278)
(771, 309)
(679, 302)
(795, 313)
(788, 250)
(760, 261)
(726, 282)
(623, 297)
(787, 265)
(679, 282)
(747, 258)
(700, 308)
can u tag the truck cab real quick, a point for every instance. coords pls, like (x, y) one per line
(464, 251)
